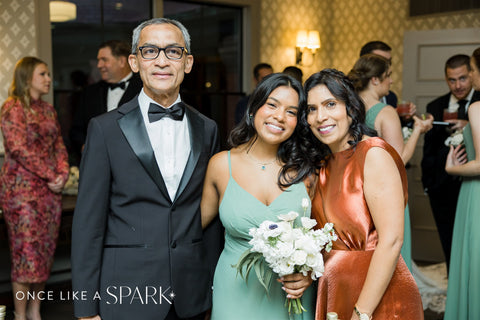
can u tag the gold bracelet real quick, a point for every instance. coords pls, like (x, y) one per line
(361, 315)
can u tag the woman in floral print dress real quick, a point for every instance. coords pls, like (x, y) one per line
(31, 180)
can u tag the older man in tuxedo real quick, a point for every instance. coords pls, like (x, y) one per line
(138, 250)
(443, 189)
(117, 86)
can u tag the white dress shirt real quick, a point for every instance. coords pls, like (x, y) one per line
(114, 95)
(453, 103)
(170, 140)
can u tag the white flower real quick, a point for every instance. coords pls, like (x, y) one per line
(305, 203)
(285, 249)
(307, 244)
(298, 257)
(455, 139)
(308, 223)
(291, 216)
(283, 269)
(406, 132)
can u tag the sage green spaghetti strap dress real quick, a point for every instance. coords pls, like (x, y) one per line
(463, 293)
(406, 252)
(233, 299)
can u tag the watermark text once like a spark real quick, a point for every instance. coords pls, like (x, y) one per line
(112, 295)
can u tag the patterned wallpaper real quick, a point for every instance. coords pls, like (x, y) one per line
(369, 19)
(17, 38)
(344, 26)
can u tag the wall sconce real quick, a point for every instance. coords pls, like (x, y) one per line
(61, 11)
(307, 44)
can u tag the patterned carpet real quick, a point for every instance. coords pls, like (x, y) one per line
(432, 282)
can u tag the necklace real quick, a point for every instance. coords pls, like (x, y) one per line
(263, 165)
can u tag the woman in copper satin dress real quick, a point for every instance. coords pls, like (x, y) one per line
(362, 189)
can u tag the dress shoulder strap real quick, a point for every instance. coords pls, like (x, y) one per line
(229, 163)
(372, 113)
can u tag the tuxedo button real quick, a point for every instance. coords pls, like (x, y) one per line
(174, 244)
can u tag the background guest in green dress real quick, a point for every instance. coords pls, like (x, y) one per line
(371, 76)
(242, 186)
(463, 292)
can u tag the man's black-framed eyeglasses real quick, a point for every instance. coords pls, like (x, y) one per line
(171, 52)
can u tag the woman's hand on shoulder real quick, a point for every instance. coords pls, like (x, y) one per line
(295, 284)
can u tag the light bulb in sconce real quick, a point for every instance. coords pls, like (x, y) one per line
(61, 11)
(308, 42)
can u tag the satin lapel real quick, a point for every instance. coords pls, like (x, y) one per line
(135, 132)
(196, 130)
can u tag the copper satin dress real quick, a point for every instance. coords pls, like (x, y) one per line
(339, 198)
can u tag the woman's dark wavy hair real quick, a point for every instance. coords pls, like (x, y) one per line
(245, 131)
(311, 153)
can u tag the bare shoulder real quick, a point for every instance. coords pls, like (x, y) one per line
(218, 161)
(379, 163)
(378, 155)
(474, 111)
(388, 112)
(218, 166)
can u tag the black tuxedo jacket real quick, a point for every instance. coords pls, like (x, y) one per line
(434, 177)
(93, 102)
(391, 99)
(134, 251)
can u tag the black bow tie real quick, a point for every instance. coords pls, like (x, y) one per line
(156, 112)
(117, 85)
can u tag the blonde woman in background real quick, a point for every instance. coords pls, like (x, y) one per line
(31, 180)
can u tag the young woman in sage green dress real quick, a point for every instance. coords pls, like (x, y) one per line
(371, 76)
(463, 294)
(242, 185)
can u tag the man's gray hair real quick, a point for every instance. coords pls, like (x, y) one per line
(140, 27)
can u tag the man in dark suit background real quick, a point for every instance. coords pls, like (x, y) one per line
(443, 189)
(117, 86)
(260, 71)
(138, 249)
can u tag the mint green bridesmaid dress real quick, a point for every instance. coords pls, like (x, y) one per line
(463, 293)
(406, 252)
(233, 299)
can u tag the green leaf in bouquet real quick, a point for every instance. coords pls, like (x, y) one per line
(264, 274)
(246, 261)
(254, 262)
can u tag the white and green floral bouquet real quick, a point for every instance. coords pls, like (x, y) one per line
(406, 132)
(455, 139)
(284, 248)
